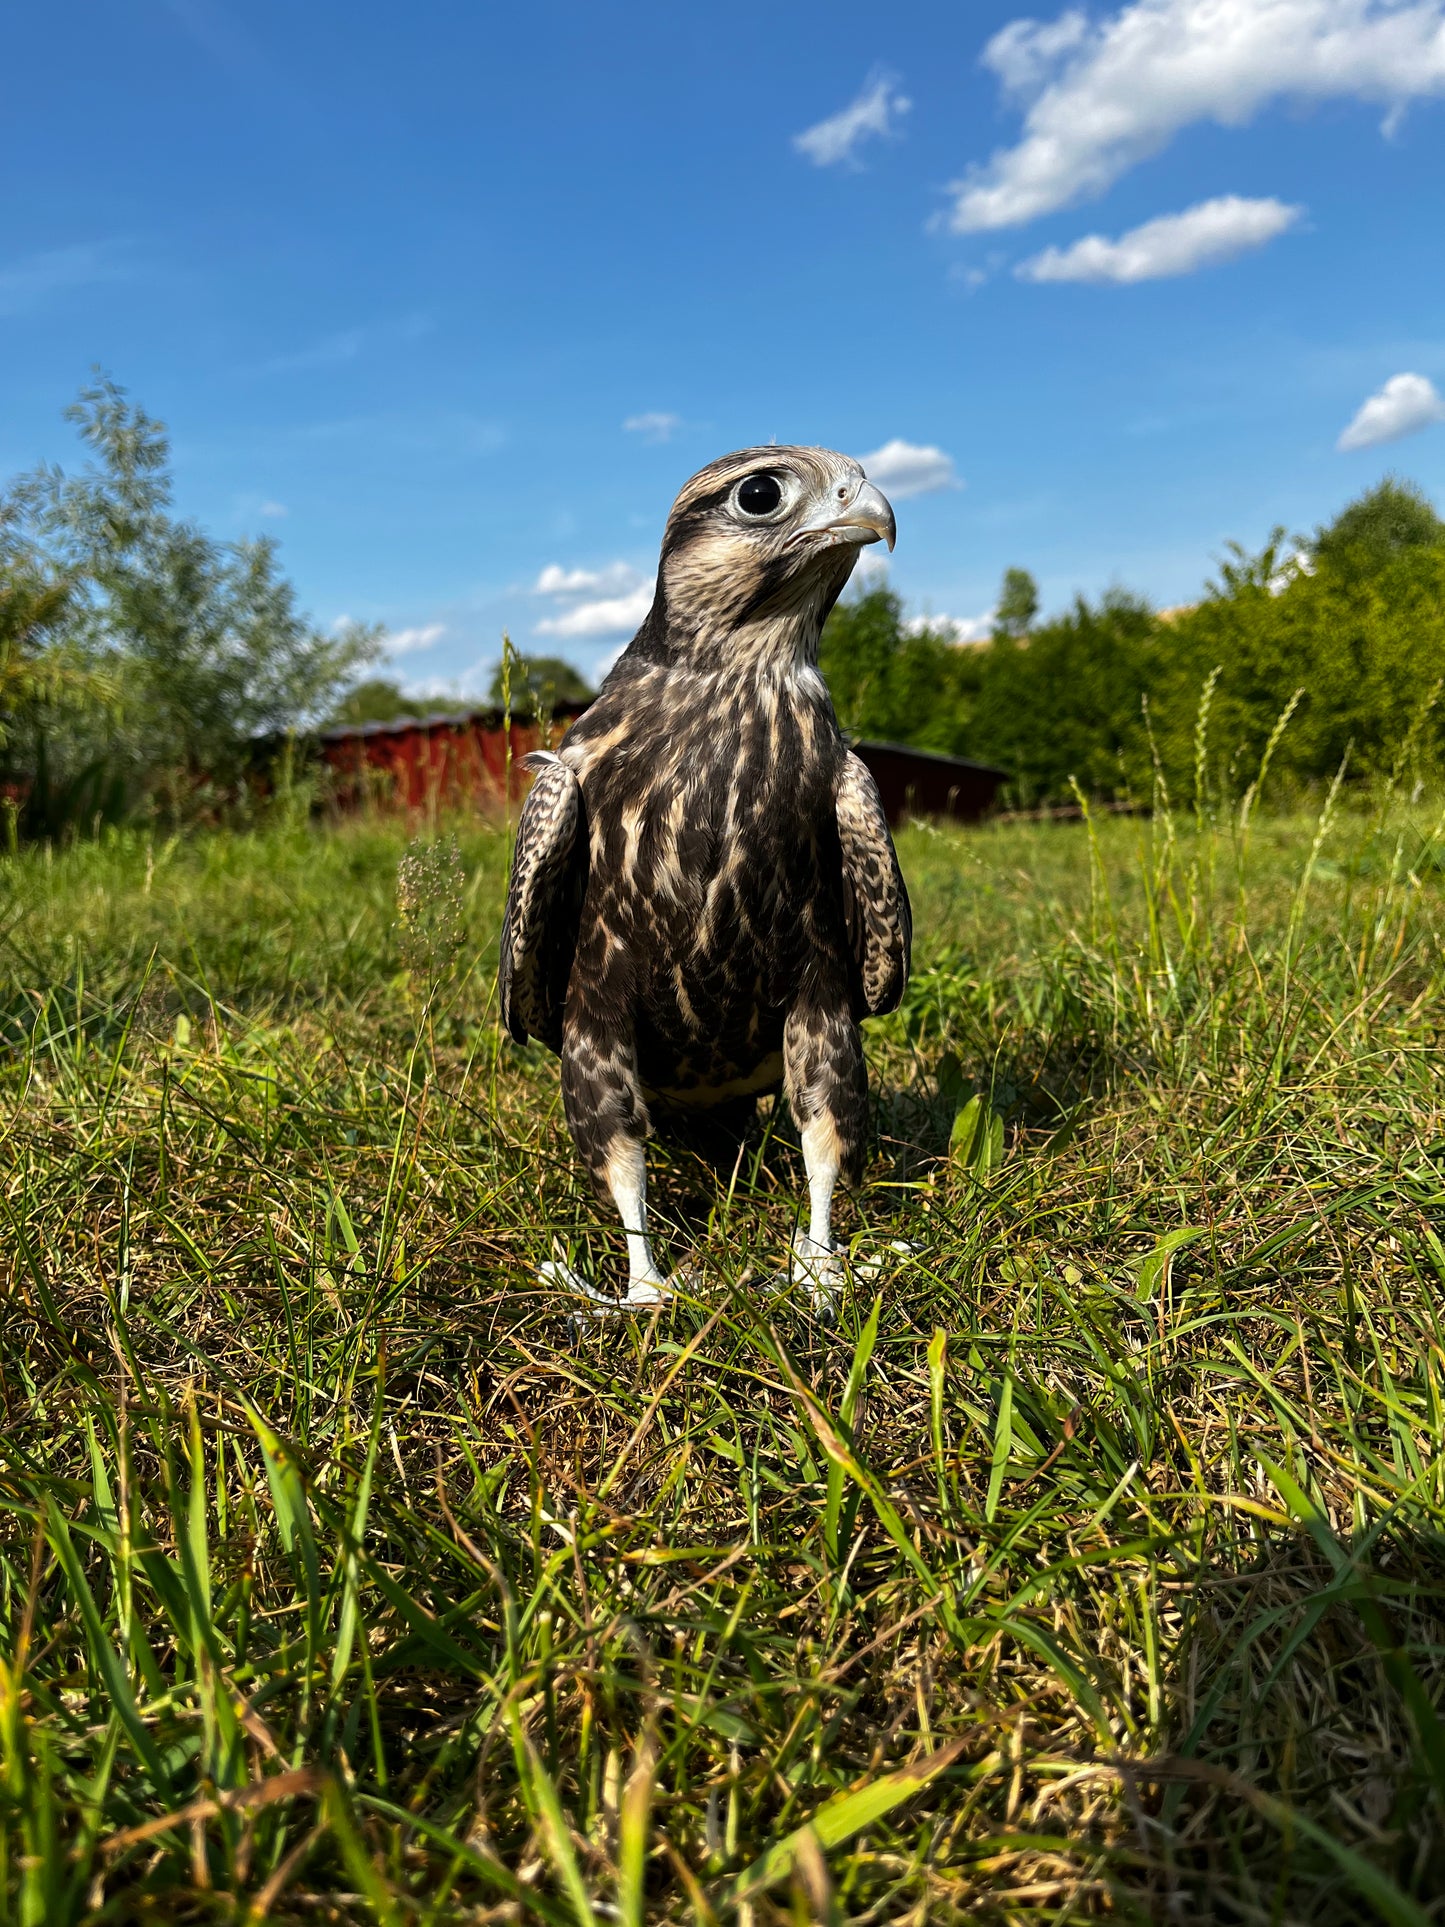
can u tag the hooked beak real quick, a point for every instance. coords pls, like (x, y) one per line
(866, 517)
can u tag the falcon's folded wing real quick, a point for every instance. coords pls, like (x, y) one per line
(875, 897)
(539, 930)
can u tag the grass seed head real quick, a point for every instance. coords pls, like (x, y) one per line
(431, 924)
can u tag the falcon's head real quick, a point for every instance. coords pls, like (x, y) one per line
(756, 552)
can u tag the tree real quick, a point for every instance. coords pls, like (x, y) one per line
(541, 682)
(1069, 703)
(896, 681)
(378, 700)
(1378, 526)
(203, 639)
(46, 686)
(33, 670)
(1018, 604)
(1362, 635)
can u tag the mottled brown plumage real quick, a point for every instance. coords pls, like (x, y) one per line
(705, 898)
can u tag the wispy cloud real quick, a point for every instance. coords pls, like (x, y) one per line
(656, 426)
(910, 468)
(252, 507)
(954, 629)
(345, 344)
(615, 579)
(612, 616)
(1099, 96)
(873, 115)
(611, 601)
(407, 642)
(432, 433)
(31, 281)
(1171, 244)
(1405, 403)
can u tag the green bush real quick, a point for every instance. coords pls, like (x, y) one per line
(1067, 701)
(1365, 645)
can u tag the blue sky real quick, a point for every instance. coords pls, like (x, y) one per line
(1100, 290)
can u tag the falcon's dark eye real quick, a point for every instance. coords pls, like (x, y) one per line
(759, 494)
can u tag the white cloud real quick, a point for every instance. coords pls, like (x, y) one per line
(1024, 53)
(910, 468)
(655, 426)
(273, 511)
(873, 113)
(594, 602)
(1200, 237)
(615, 579)
(1102, 96)
(406, 642)
(608, 616)
(1405, 403)
(956, 629)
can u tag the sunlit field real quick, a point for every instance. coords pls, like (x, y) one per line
(1092, 1564)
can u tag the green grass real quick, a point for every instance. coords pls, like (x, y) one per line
(1093, 1565)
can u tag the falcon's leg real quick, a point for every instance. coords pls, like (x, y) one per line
(626, 1172)
(607, 1116)
(813, 1256)
(827, 1086)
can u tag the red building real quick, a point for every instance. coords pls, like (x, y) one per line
(430, 762)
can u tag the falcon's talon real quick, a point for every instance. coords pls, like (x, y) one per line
(647, 1291)
(903, 1249)
(553, 1272)
(820, 1270)
(642, 1294)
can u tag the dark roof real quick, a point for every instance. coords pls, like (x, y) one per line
(931, 756)
(489, 718)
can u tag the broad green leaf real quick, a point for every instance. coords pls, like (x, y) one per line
(975, 1144)
(1154, 1271)
(839, 1819)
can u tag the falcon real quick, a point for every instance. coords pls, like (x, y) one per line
(704, 898)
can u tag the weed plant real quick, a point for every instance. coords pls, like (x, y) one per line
(1090, 1565)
